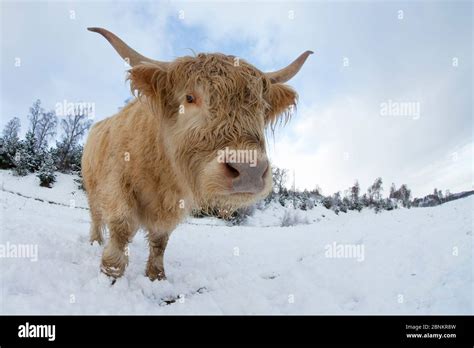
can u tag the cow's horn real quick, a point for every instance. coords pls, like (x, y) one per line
(131, 56)
(288, 72)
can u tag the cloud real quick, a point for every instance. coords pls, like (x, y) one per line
(61, 60)
(349, 140)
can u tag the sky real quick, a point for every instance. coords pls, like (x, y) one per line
(387, 93)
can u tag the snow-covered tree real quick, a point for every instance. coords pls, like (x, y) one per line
(76, 158)
(9, 143)
(354, 199)
(22, 162)
(337, 202)
(392, 191)
(375, 191)
(388, 204)
(46, 173)
(364, 200)
(73, 159)
(306, 202)
(28, 158)
(404, 195)
(439, 194)
(327, 202)
(447, 194)
(283, 196)
(345, 204)
(317, 191)
(302, 200)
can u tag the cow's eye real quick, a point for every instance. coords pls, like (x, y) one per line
(190, 99)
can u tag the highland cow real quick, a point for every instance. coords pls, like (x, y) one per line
(161, 156)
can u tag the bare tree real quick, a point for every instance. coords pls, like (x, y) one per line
(74, 128)
(280, 177)
(42, 124)
(35, 115)
(46, 128)
(11, 130)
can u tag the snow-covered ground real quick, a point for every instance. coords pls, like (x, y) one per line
(410, 261)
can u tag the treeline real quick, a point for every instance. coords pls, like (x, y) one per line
(352, 198)
(34, 154)
(340, 202)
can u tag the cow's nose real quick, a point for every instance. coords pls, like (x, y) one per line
(248, 177)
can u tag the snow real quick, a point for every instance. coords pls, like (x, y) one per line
(65, 191)
(415, 261)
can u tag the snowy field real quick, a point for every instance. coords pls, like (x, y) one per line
(409, 261)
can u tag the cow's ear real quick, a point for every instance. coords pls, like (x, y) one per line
(147, 79)
(281, 99)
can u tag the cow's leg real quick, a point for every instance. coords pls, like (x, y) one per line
(155, 268)
(96, 226)
(115, 256)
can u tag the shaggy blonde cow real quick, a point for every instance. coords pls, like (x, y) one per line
(170, 149)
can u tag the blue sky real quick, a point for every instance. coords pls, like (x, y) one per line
(366, 54)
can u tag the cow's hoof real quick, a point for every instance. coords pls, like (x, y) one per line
(105, 279)
(112, 272)
(155, 275)
(110, 278)
(99, 241)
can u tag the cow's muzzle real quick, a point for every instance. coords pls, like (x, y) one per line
(247, 177)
